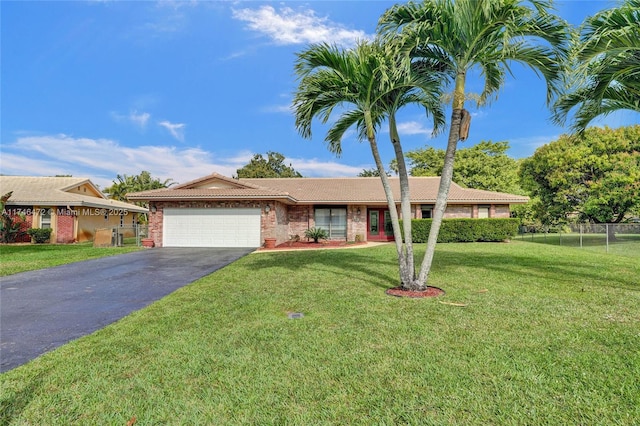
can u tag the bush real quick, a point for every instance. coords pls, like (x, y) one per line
(40, 235)
(466, 230)
(11, 228)
(316, 234)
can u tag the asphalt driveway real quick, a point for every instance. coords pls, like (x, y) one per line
(41, 310)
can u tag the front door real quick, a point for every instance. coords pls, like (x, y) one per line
(379, 226)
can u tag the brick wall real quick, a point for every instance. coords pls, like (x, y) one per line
(64, 229)
(24, 225)
(356, 223)
(457, 211)
(500, 210)
(300, 219)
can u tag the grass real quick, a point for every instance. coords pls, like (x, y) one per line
(550, 335)
(624, 244)
(27, 257)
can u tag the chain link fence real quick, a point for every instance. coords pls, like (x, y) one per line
(618, 238)
(119, 236)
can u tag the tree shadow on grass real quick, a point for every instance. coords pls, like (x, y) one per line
(548, 269)
(370, 265)
(379, 266)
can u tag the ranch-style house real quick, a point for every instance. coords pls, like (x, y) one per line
(218, 211)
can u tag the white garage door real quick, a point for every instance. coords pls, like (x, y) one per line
(211, 228)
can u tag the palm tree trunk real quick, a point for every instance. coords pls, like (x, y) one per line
(393, 212)
(445, 178)
(405, 207)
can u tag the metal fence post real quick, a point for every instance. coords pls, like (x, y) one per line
(580, 235)
(607, 231)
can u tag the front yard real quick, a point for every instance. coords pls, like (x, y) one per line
(549, 335)
(28, 257)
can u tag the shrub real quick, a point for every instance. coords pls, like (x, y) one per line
(11, 228)
(316, 234)
(40, 235)
(466, 230)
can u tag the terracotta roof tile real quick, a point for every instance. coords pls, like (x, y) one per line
(326, 190)
(53, 191)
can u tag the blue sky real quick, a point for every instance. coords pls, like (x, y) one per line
(184, 89)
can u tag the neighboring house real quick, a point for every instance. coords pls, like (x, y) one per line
(217, 211)
(72, 207)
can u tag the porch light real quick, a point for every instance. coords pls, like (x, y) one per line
(153, 208)
(358, 211)
(267, 208)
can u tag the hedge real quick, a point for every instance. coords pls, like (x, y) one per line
(466, 230)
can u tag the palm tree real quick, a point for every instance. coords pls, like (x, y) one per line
(461, 35)
(606, 75)
(367, 85)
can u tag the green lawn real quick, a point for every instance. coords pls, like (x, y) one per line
(624, 244)
(549, 335)
(16, 258)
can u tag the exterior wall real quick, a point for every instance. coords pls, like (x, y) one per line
(269, 223)
(285, 221)
(65, 228)
(500, 210)
(458, 211)
(356, 223)
(300, 219)
(275, 223)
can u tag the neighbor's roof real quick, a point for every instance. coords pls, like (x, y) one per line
(353, 190)
(59, 191)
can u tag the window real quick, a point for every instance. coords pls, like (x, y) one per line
(427, 211)
(483, 212)
(121, 220)
(45, 218)
(333, 220)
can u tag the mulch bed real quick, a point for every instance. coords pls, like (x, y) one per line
(401, 292)
(319, 245)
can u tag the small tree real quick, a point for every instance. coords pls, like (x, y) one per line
(10, 225)
(271, 167)
(316, 234)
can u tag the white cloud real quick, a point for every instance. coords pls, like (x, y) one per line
(317, 168)
(297, 27)
(139, 119)
(176, 129)
(280, 109)
(413, 128)
(102, 159)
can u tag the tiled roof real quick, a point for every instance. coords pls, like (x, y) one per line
(370, 190)
(326, 190)
(54, 191)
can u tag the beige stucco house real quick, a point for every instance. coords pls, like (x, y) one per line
(72, 207)
(218, 211)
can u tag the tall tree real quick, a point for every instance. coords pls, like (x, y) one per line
(368, 85)
(488, 35)
(594, 176)
(124, 184)
(271, 167)
(605, 73)
(485, 165)
(371, 173)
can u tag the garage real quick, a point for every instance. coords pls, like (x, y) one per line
(201, 227)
